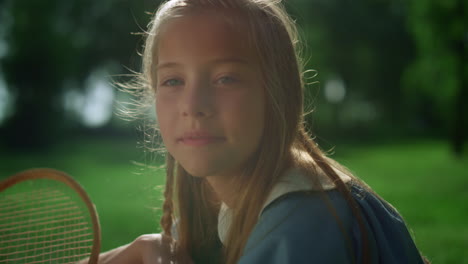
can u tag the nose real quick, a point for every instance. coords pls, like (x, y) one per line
(198, 100)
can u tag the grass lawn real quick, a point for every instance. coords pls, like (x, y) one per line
(427, 185)
(125, 195)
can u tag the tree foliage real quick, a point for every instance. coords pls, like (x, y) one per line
(373, 46)
(53, 46)
(437, 78)
(365, 43)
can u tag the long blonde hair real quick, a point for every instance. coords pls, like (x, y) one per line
(273, 35)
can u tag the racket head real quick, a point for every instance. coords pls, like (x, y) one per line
(47, 217)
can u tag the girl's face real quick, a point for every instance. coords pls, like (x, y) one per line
(210, 100)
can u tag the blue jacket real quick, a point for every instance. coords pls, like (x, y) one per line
(299, 227)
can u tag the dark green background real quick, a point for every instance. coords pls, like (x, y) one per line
(401, 126)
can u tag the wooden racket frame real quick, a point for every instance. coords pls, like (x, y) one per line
(52, 174)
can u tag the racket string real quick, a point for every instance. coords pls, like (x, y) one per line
(80, 236)
(43, 226)
(42, 221)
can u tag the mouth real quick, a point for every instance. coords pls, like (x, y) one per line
(198, 138)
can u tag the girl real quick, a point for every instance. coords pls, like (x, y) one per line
(245, 182)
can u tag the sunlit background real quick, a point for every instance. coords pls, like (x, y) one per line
(388, 101)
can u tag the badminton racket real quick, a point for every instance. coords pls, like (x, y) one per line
(46, 217)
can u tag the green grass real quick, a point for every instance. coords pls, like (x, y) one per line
(427, 185)
(126, 195)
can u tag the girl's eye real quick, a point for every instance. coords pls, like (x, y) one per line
(226, 80)
(172, 82)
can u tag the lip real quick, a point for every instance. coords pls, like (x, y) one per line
(199, 138)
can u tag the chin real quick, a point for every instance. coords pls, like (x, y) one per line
(207, 167)
(197, 171)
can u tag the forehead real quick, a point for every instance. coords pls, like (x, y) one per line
(204, 35)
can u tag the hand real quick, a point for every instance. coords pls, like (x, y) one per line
(157, 249)
(146, 249)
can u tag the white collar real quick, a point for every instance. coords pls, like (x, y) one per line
(293, 180)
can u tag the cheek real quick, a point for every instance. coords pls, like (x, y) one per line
(165, 106)
(257, 120)
(247, 118)
(164, 115)
(257, 111)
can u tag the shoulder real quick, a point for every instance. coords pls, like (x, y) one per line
(302, 226)
(388, 235)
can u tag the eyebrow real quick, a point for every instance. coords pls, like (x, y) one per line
(229, 60)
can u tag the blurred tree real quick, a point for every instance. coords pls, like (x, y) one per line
(438, 77)
(53, 43)
(366, 44)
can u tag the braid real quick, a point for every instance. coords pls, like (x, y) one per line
(319, 158)
(168, 206)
